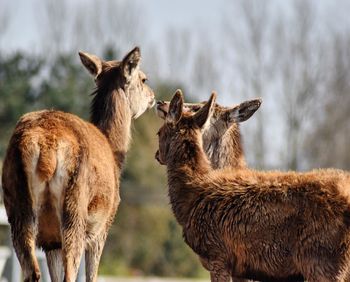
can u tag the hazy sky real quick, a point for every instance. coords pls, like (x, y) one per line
(23, 30)
(25, 18)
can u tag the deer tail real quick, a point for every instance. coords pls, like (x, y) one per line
(47, 162)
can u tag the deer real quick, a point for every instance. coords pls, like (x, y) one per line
(222, 141)
(61, 174)
(261, 225)
(221, 137)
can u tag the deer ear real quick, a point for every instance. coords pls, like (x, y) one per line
(91, 62)
(175, 108)
(131, 62)
(243, 111)
(204, 114)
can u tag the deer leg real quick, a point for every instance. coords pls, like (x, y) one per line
(73, 247)
(73, 237)
(219, 276)
(93, 256)
(23, 238)
(55, 264)
(217, 271)
(21, 215)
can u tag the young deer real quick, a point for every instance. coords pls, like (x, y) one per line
(61, 174)
(266, 226)
(222, 137)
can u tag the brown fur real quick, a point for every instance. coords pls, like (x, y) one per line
(61, 173)
(221, 137)
(260, 225)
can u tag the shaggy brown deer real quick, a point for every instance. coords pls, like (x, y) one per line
(221, 138)
(254, 224)
(61, 173)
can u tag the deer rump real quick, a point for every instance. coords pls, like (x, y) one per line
(49, 174)
(268, 232)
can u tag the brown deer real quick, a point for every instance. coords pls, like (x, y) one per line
(61, 173)
(221, 138)
(260, 225)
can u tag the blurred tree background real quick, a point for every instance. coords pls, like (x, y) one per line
(295, 54)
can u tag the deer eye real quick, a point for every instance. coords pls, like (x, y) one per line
(144, 80)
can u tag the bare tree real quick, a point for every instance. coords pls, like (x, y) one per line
(4, 18)
(249, 39)
(279, 51)
(205, 72)
(73, 26)
(124, 20)
(53, 22)
(329, 138)
(299, 72)
(177, 52)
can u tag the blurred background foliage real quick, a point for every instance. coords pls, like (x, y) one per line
(294, 54)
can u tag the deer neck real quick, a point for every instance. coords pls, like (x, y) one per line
(188, 165)
(231, 148)
(188, 157)
(110, 112)
(226, 151)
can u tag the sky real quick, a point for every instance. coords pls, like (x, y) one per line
(23, 30)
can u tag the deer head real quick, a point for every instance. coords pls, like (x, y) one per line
(222, 121)
(222, 118)
(125, 74)
(181, 128)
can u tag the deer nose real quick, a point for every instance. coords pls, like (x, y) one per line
(152, 103)
(157, 157)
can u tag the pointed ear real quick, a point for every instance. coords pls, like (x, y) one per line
(204, 114)
(243, 111)
(91, 62)
(175, 108)
(131, 62)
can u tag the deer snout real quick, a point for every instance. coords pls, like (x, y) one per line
(152, 98)
(157, 157)
(162, 109)
(152, 103)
